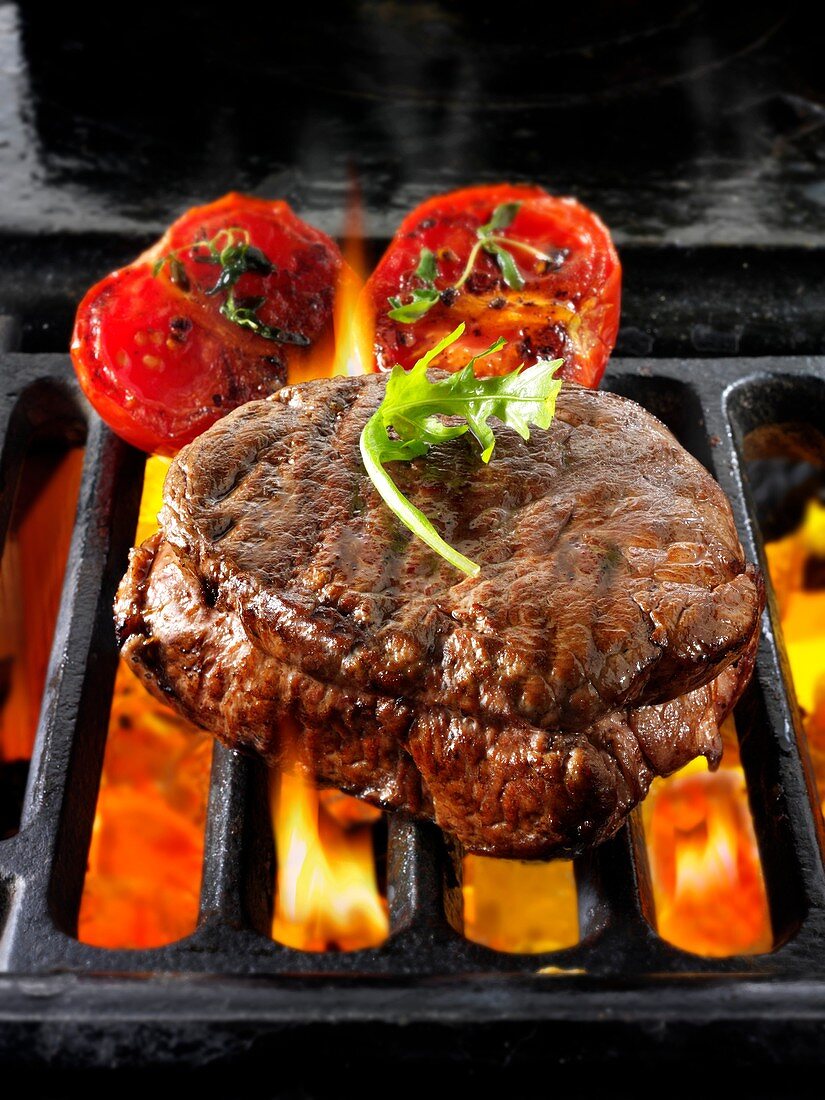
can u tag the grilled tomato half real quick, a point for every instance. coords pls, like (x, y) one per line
(510, 262)
(213, 315)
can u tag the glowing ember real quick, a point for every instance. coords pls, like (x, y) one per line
(31, 580)
(326, 894)
(516, 906)
(143, 878)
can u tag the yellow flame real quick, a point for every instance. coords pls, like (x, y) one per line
(802, 615)
(802, 611)
(326, 893)
(151, 498)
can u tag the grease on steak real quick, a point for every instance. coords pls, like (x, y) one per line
(611, 574)
(527, 710)
(506, 789)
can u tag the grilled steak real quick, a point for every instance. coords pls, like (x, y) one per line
(612, 625)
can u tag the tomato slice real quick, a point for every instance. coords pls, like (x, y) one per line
(567, 307)
(155, 354)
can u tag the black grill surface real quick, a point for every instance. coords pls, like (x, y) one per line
(191, 1000)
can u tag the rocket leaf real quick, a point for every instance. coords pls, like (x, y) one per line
(412, 408)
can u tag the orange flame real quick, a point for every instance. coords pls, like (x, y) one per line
(707, 879)
(326, 892)
(31, 580)
(350, 352)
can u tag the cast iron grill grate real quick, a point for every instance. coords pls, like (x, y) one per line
(621, 979)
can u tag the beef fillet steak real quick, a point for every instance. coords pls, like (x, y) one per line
(613, 623)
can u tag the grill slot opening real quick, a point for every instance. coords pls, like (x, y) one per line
(329, 851)
(722, 836)
(143, 879)
(41, 480)
(775, 417)
(67, 772)
(520, 907)
(784, 461)
(706, 871)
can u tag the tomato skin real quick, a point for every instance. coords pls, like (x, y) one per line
(158, 360)
(567, 310)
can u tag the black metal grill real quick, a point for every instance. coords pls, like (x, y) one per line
(622, 983)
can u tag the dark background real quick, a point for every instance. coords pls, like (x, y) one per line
(697, 130)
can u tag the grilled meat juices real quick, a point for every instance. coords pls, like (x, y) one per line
(527, 709)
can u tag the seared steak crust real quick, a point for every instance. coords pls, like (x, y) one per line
(611, 575)
(613, 625)
(506, 789)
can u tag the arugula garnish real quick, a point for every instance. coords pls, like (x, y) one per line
(231, 251)
(412, 406)
(490, 240)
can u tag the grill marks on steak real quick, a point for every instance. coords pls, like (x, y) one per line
(527, 710)
(612, 574)
(500, 788)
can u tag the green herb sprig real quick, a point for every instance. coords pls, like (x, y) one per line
(424, 297)
(231, 251)
(490, 239)
(412, 407)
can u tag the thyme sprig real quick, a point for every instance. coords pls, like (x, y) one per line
(424, 297)
(230, 250)
(490, 239)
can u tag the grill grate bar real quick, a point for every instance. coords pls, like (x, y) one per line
(239, 866)
(613, 885)
(59, 805)
(416, 863)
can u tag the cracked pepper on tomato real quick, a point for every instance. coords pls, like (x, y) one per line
(509, 261)
(210, 317)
